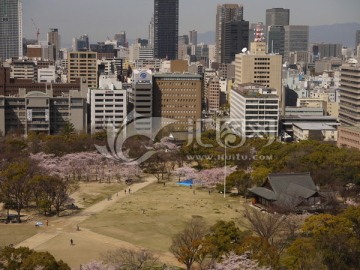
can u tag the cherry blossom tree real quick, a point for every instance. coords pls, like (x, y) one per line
(237, 262)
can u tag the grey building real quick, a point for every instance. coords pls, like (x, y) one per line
(166, 28)
(225, 13)
(321, 50)
(193, 37)
(296, 39)
(277, 16)
(10, 29)
(276, 39)
(41, 112)
(357, 39)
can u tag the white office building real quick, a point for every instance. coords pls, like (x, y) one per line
(108, 105)
(254, 110)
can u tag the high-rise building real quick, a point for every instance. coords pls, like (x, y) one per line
(166, 28)
(277, 16)
(235, 37)
(259, 67)
(121, 39)
(296, 39)
(349, 113)
(83, 65)
(357, 40)
(225, 13)
(11, 43)
(151, 32)
(193, 37)
(53, 38)
(276, 39)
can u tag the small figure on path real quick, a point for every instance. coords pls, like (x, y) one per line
(209, 191)
(164, 184)
(125, 191)
(47, 222)
(194, 191)
(129, 190)
(77, 228)
(71, 242)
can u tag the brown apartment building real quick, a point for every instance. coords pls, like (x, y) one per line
(177, 96)
(349, 137)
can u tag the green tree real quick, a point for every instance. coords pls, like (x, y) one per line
(336, 238)
(15, 184)
(223, 238)
(24, 258)
(67, 129)
(239, 180)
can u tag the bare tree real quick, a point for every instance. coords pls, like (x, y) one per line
(187, 244)
(130, 259)
(262, 223)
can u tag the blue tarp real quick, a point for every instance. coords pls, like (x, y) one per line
(187, 183)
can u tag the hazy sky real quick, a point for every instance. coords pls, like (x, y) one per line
(102, 18)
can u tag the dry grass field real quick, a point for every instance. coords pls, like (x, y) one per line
(151, 216)
(15, 233)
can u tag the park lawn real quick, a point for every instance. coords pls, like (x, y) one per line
(151, 216)
(90, 193)
(15, 233)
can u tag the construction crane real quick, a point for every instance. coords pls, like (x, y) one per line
(37, 30)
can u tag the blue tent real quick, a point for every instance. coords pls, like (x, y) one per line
(187, 183)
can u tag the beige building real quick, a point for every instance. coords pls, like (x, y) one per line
(259, 67)
(213, 95)
(349, 137)
(83, 65)
(314, 131)
(178, 97)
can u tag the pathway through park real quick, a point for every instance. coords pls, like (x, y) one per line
(67, 226)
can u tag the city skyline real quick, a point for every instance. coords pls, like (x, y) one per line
(134, 16)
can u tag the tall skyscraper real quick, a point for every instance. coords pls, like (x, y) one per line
(235, 37)
(53, 38)
(357, 40)
(276, 39)
(166, 28)
(121, 39)
(193, 37)
(277, 16)
(10, 29)
(296, 39)
(151, 32)
(225, 13)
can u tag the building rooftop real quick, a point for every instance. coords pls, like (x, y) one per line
(314, 126)
(254, 93)
(177, 75)
(352, 128)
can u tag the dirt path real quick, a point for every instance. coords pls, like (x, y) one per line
(66, 227)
